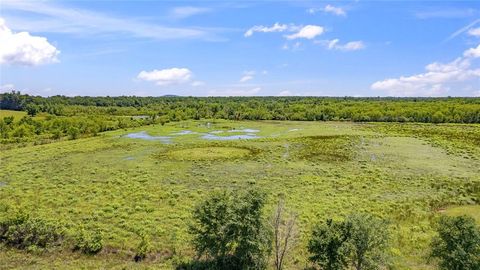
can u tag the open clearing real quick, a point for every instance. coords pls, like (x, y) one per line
(123, 185)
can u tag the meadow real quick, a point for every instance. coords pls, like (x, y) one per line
(148, 179)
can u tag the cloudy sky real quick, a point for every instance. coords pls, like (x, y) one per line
(219, 48)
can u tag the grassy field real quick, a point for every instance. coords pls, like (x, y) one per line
(17, 115)
(149, 179)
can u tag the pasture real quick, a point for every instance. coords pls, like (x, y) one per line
(124, 185)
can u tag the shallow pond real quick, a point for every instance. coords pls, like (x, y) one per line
(249, 134)
(143, 135)
(245, 130)
(229, 138)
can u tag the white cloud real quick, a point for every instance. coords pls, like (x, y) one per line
(329, 9)
(474, 32)
(335, 45)
(56, 18)
(246, 78)
(476, 93)
(308, 32)
(166, 76)
(24, 49)
(472, 52)
(187, 11)
(335, 10)
(277, 27)
(236, 92)
(437, 79)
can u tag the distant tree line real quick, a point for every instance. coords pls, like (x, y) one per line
(50, 128)
(172, 108)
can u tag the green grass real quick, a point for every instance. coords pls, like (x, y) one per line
(208, 153)
(471, 210)
(17, 115)
(323, 169)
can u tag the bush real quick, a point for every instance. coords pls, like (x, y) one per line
(230, 231)
(88, 242)
(143, 248)
(24, 232)
(361, 239)
(369, 241)
(329, 245)
(457, 245)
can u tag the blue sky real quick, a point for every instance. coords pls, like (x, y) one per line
(219, 48)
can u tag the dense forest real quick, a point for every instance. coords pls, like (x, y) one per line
(84, 116)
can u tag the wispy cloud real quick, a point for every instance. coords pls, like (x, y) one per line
(446, 13)
(61, 19)
(250, 75)
(307, 31)
(276, 27)
(187, 11)
(334, 44)
(463, 29)
(246, 78)
(329, 9)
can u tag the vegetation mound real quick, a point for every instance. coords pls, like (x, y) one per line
(209, 153)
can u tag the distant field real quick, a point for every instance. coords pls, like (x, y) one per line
(17, 115)
(471, 210)
(150, 178)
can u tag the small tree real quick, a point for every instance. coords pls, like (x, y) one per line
(361, 239)
(211, 231)
(143, 247)
(88, 242)
(457, 245)
(285, 233)
(329, 245)
(230, 231)
(32, 109)
(369, 241)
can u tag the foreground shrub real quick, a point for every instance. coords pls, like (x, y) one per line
(88, 242)
(329, 245)
(229, 230)
(369, 241)
(457, 245)
(143, 248)
(361, 240)
(24, 232)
